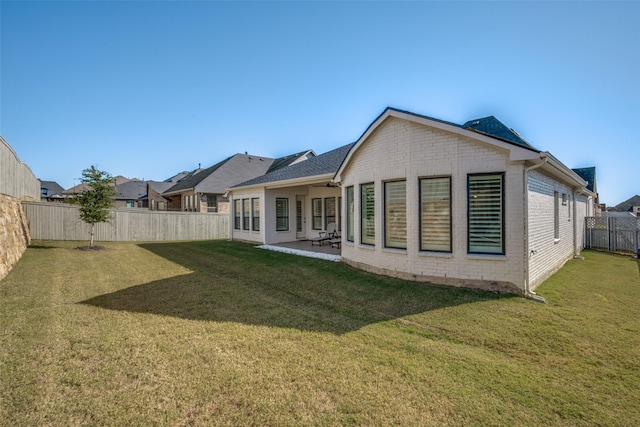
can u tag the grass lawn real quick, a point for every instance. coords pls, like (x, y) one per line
(222, 333)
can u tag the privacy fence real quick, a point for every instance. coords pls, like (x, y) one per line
(58, 221)
(614, 234)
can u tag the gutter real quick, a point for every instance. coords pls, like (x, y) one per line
(528, 293)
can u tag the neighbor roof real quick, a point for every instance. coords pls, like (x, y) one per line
(52, 188)
(627, 205)
(327, 163)
(196, 177)
(131, 190)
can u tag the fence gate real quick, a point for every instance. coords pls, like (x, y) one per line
(615, 234)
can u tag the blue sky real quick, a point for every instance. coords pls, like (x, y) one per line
(147, 89)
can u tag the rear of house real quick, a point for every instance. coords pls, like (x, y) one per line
(469, 205)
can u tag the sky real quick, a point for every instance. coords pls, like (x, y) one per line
(147, 89)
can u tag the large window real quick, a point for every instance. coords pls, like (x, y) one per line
(329, 211)
(350, 214)
(486, 214)
(255, 214)
(435, 214)
(282, 214)
(316, 214)
(395, 214)
(236, 214)
(367, 214)
(246, 218)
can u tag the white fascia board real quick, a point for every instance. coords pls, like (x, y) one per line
(556, 168)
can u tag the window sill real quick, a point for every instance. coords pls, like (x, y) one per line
(400, 251)
(488, 257)
(368, 247)
(435, 254)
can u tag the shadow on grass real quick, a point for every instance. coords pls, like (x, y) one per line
(235, 282)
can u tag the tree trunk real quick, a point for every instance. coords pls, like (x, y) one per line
(91, 241)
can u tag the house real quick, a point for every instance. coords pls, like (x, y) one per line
(471, 205)
(630, 206)
(51, 191)
(203, 189)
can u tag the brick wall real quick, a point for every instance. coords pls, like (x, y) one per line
(548, 253)
(14, 233)
(400, 149)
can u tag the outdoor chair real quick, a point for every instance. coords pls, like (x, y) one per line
(324, 236)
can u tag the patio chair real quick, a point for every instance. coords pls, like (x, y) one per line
(326, 235)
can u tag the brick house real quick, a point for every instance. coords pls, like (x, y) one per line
(471, 205)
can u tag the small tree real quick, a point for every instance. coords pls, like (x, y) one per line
(95, 200)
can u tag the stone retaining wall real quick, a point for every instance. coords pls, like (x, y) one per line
(14, 233)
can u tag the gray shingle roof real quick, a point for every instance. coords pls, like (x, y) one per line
(494, 127)
(52, 188)
(286, 160)
(628, 204)
(196, 177)
(131, 190)
(327, 163)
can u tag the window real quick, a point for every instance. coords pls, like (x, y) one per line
(350, 214)
(564, 199)
(367, 214)
(435, 214)
(236, 214)
(246, 218)
(486, 214)
(212, 203)
(556, 215)
(395, 214)
(329, 211)
(316, 214)
(130, 204)
(282, 214)
(255, 214)
(44, 191)
(569, 207)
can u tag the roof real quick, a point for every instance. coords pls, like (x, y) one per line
(327, 163)
(52, 188)
(627, 205)
(290, 159)
(131, 190)
(494, 127)
(195, 177)
(589, 175)
(218, 178)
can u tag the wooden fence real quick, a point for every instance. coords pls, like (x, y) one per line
(614, 234)
(16, 179)
(58, 221)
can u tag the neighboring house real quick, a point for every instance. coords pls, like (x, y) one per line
(203, 190)
(471, 205)
(631, 205)
(51, 191)
(154, 200)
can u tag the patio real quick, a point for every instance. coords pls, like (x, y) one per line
(305, 248)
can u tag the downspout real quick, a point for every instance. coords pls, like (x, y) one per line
(528, 293)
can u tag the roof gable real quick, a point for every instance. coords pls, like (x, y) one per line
(291, 159)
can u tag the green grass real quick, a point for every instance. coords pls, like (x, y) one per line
(222, 333)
